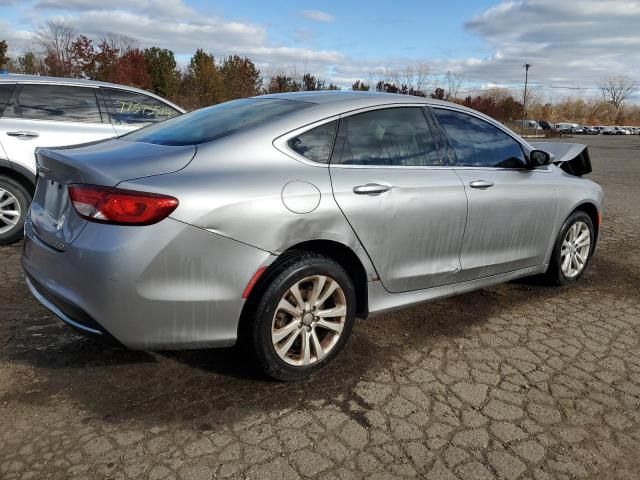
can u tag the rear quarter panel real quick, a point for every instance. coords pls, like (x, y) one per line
(235, 187)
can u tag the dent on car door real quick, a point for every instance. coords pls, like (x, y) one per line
(50, 115)
(407, 208)
(512, 209)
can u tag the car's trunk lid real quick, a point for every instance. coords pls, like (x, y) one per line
(108, 163)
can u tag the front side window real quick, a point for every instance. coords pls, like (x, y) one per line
(478, 143)
(60, 103)
(6, 89)
(388, 137)
(133, 108)
(315, 144)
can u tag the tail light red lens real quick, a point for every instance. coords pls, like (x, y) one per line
(118, 206)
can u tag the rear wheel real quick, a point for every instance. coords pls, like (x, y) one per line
(14, 204)
(304, 317)
(572, 250)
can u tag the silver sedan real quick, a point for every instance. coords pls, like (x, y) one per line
(275, 221)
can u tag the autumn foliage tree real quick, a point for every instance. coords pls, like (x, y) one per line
(163, 72)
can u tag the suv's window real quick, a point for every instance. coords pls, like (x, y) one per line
(6, 89)
(56, 102)
(211, 123)
(391, 136)
(134, 108)
(315, 144)
(478, 143)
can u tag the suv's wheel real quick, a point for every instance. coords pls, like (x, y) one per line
(303, 318)
(572, 250)
(14, 203)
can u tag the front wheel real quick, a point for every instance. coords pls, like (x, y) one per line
(14, 204)
(572, 250)
(304, 317)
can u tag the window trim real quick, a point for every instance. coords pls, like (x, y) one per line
(421, 105)
(18, 90)
(454, 161)
(106, 95)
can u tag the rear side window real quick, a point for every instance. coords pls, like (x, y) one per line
(478, 143)
(6, 89)
(315, 144)
(391, 136)
(56, 102)
(211, 123)
(132, 108)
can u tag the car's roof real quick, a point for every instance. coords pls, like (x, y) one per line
(358, 98)
(20, 78)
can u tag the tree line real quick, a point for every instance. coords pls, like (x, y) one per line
(206, 80)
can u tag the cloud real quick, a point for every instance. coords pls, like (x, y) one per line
(571, 49)
(318, 16)
(568, 46)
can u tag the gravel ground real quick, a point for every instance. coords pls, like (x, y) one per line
(516, 381)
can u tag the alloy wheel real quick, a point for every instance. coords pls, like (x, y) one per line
(9, 211)
(575, 249)
(309, 320)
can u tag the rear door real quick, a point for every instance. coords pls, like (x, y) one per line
(132, 110)
(49, 115)
(512, 209)
(407, 207)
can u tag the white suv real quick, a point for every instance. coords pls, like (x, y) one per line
(53, 112)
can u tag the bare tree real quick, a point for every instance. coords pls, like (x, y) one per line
(454, 82)
(56, 39)
(122, 43)
(617, 89)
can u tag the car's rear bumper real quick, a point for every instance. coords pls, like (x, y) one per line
(168, 285)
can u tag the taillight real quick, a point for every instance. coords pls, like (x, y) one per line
(121, 207)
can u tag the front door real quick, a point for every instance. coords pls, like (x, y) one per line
(405, 205)
(44, 115)
(512, 209)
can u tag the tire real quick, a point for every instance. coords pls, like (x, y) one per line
(18, 199)
(558, 273)
(268, 317)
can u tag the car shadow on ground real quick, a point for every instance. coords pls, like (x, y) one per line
(150, 387)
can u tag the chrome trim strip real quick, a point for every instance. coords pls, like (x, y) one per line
(55, 310)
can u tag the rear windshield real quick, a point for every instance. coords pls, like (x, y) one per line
(211, 123)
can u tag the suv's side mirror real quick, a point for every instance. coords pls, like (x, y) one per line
(538, 158)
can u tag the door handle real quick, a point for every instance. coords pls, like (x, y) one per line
(481, 184)
(22, 134)
(370, 189)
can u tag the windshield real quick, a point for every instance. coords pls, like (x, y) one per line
(211, 123)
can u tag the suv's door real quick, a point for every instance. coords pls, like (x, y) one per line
(6, 91)
(407, 208)
(512, 209)
(132, 110)
(50, 115)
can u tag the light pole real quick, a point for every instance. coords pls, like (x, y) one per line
(524, 100)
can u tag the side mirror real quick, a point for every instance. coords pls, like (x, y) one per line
(538, 158)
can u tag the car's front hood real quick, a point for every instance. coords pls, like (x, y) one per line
(573, 158)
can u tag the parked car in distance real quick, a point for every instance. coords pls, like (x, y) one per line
(46, 111)
(529, 125)
(590, 131)
(567, 127)
(609, 131)
(276, 220)
(620, 131)
(546, 125)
